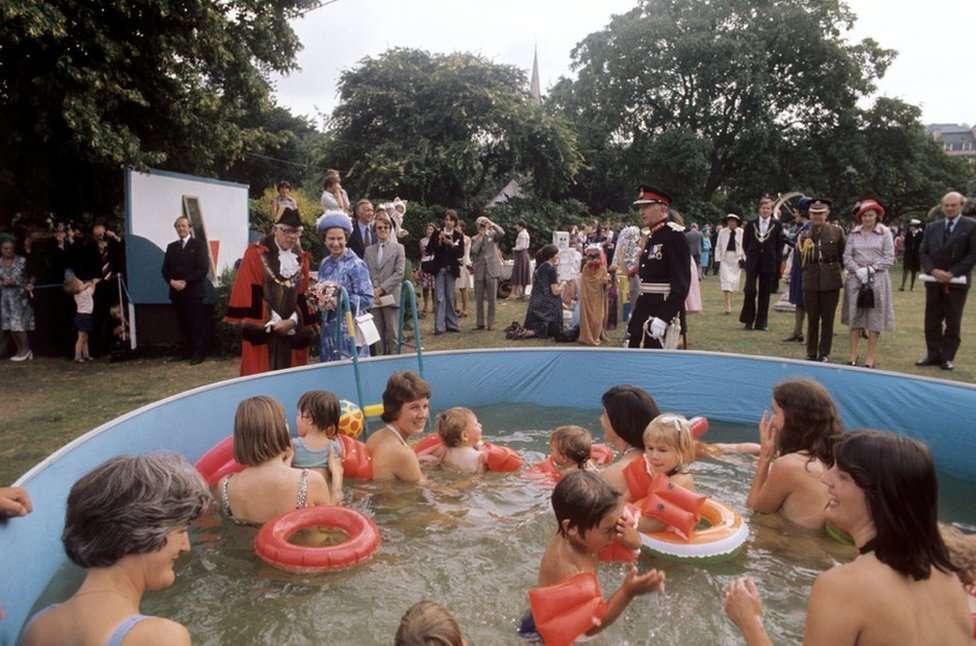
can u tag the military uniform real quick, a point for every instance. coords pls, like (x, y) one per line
(665, 276)
(821, 249)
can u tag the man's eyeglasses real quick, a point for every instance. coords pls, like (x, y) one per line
(290, 231)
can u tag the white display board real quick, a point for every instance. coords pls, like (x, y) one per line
(568, 267)
(218, 211)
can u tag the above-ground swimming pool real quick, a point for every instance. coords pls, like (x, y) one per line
(475, 544)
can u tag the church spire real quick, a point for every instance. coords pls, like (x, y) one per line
(535, 89)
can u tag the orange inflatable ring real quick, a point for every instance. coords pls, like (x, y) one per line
(273, 547)
(727, 532)
(565, 611)
(219, 462)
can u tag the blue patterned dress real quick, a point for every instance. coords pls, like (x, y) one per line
(349, 272)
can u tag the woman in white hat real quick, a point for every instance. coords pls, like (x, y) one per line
(729, 252)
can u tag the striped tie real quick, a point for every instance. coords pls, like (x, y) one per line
(106, 264)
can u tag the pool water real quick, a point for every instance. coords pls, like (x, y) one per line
(474, 544)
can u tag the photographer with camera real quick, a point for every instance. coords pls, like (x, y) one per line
(447, 247)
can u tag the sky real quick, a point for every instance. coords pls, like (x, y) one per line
(934, 67)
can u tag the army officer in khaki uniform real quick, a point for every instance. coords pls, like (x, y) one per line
(821, 250)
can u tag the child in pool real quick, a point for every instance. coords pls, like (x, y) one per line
(668, 449)
(460, 431)
(317, 445)
(627, 410)
(589, 516)
(406, 406)
(426, 623)
(569, 449)
(962, 553)
(268, 486)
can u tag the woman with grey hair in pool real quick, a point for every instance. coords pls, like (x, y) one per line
(126, 524)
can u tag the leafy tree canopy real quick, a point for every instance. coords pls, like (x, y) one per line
(734, 78)
(446, 129)
(88, 86)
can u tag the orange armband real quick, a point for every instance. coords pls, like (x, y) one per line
(500, 458)
(567, 610)
(673, 505)
(356, 460)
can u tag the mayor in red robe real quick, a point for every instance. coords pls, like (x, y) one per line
(268, 301)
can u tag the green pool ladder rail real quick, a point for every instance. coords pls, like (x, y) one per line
(408, 298)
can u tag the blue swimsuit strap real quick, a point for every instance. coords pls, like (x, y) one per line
(127, 624)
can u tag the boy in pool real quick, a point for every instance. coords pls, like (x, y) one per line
(317, 445)
(460, 431)
(589, 513)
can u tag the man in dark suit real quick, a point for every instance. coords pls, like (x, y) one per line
(185, 269)
(762, 241)
(363, 234)
(948, 253)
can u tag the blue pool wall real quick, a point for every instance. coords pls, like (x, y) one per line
(732, 388)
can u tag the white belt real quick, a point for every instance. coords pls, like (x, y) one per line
(664, 289)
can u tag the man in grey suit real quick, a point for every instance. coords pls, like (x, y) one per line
(948, 252)
(385, 261)
(487, 269)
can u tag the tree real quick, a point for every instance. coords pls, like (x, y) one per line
(445, 129)
(738, 79)
(89, 86)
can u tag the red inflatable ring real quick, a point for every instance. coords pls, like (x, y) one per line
(273, 547)
(219, 462)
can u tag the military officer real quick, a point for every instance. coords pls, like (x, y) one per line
(664, 270)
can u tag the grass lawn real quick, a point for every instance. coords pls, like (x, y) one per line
(49, 402)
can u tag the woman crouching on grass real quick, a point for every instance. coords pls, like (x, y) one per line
(126, 524)
(903, 588)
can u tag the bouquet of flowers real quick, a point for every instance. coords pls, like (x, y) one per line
(323, 295)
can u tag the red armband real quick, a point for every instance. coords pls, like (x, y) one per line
(500, 458)
(356, 460)
(674, 506)
(566, 611)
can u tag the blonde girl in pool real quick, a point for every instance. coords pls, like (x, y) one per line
(796, 449)
(902, 588)
(668, 449)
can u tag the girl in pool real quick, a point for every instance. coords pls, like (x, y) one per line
(962, 552)
(668, 449)
(317, 445)
(569, 449)
(460, 431)
(406, 407)
(902, 588)
(627, 410)
(268, 486)
(796, 449)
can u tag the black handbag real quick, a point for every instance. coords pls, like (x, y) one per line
(865, 297)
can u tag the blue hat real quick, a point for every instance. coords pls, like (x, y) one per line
(334, 220)
(803, 204)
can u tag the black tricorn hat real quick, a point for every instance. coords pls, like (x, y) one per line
(289, 218)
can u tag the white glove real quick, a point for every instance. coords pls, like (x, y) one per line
(862, 273)
(658, 328)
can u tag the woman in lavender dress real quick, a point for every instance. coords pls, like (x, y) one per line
(870, 251)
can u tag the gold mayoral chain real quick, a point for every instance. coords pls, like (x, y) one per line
(284, 282)
(769, 229)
